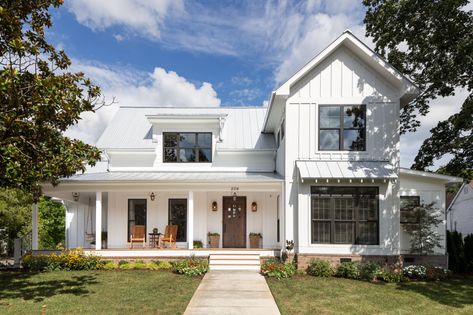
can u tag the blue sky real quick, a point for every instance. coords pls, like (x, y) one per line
(203, 53)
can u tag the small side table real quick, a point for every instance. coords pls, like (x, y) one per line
(154, 239)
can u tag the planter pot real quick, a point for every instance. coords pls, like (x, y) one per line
(214, 241)
(255, 241)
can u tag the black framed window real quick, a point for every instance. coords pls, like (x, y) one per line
(178, 216)
(344, 215)
(187, 147)
(408, 203)
(136, 214)
(342, 127)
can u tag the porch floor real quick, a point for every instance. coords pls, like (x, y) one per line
(178, 252)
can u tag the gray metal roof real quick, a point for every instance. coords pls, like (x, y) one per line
(174, 177)
(345, 169)
(130, 127)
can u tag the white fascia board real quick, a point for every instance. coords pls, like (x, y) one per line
(185, 118)
(407, 86)
(431, 175)
(130, 151)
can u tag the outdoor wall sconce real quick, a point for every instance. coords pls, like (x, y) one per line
(254, 206)
(214, 206)
(75, 196)
(152, 196)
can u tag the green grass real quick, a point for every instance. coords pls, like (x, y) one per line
(311, 295)
(95, 292)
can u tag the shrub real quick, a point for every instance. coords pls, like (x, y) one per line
(122, 262)
(198, 244)
(320, 268)
(349, 270)
(139, 264)
(166, 265)
(191, 267)
(370, 271)
(276, 269)
(416, 272)
(109, 266)
(67, 260)
(125, 266)
(391, 276)
(437, 273)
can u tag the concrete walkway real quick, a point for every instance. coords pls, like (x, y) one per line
(232, 292)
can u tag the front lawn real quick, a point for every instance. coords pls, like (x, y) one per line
(312, 295)
(95, 292)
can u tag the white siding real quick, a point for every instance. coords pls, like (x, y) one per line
(429, 191)
(461, 213)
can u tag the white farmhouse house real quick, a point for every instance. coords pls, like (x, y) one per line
(460, 211)
(318, 166)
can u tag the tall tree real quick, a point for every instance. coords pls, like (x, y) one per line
(432, 42)
(39, 100)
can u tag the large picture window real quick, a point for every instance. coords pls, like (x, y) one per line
(408, 203)
(342, 127)
(178, 216)
(136, 214)
(344, 215)
(187, 147)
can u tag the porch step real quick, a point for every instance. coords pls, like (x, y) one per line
(234, 261)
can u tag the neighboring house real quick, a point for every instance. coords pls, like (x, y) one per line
(460, 211)
(319, 166)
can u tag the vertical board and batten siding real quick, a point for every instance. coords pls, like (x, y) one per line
(429, 190)
(341, 79)
(460, 217)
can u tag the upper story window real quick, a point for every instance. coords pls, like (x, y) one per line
(342, 127)
(187, 147)
(408, 203)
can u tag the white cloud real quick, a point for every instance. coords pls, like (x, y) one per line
(133, 88)
(137, 16)
(282, 34)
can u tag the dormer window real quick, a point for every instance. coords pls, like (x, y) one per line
(187, 147)
(342, 127)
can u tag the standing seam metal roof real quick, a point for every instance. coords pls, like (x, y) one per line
(130, 128)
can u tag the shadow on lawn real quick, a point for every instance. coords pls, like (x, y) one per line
(22, 285)
(456, 292)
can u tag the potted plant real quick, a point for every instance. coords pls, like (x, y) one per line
(255, 239)
(214, 240)
(155, 230)
(104, 239)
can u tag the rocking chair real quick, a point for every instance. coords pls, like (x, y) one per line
(169, 236)
(138, 235)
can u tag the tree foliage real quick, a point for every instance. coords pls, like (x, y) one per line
(51, 223)
(15, 216)
(424, 237)
(432, 42)
(39, 100)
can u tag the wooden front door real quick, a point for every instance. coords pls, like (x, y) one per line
(234, 222)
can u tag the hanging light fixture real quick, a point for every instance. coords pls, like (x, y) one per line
(75, 196)
(214, 206)
(254, 206)
(152, 196)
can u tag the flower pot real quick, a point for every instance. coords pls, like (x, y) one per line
(214, 240)
(255, 241)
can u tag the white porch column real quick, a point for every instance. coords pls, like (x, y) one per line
(34, 225)
(98, 220)
(190, 220)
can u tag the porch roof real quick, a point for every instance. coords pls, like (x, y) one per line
(345, 169)
(168, 177)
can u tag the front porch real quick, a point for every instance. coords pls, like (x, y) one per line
(100, 217)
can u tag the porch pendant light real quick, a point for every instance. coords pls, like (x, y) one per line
(214, 206)
(254, 206)
(152, 196)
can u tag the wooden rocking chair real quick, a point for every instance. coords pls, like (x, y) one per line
(138, 235)
(169, 236)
